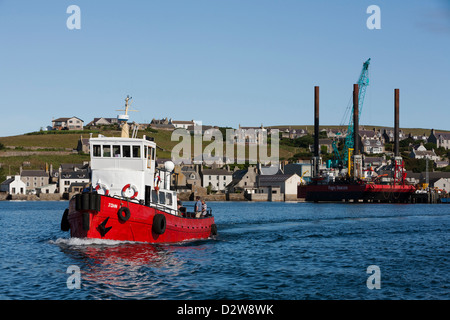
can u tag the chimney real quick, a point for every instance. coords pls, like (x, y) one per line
(396, 121)
(356, 119)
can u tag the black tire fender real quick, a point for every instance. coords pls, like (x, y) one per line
(123, 217)
(159, 224)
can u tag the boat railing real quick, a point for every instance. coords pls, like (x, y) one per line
(183, 211)
(191, 214)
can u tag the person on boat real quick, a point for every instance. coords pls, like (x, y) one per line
(198, 208)
(180, 209)
(204, 208)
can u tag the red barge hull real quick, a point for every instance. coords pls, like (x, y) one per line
(355, 192)
(95, 216)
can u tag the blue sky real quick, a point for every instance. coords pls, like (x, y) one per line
(226, 63)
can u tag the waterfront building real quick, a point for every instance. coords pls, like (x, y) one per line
(13, 185)
(69, 174)
(218, 179)
(34, 179)
(283, 184)
(244, 180)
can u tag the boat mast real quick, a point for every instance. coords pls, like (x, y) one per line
(125, 117)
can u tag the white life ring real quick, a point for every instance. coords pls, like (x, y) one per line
(130, 186)
(104, 187)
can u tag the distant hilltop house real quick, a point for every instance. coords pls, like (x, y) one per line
(72, 123)
(251, 135)
(421, 152)
(290, 133)
(182, 124)
(163, 124)
(423, 137)
(441, 139)
(102, 122)
(202, 130)
(336, 133)
(370, 134)
(389, 137)
(372, 146)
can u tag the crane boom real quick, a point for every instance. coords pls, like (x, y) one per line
(363, 82)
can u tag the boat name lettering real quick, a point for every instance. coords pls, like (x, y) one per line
(112, 205)
(334, 188)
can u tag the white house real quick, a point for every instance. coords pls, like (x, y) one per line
(218, 179)
(182, 124)
(443, 184)
(49, 188)
(13, 185)
(287, 183)
(422, 153)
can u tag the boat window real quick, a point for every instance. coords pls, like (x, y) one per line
(168, 198)
(154, 196)
(153, 153)
(107, 151)
(97, 151)
(149, 159)
(162, 198)
(136, 151)
(116, 151)
(126, 151)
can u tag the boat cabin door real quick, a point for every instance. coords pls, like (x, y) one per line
(150, 156)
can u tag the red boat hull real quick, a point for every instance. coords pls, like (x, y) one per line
(355, 192)
(102, 220)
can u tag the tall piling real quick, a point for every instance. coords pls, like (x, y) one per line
(356, 147)
(316, 121)
(316, 158)
(396, 122)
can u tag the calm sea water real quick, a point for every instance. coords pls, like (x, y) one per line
(269, 251)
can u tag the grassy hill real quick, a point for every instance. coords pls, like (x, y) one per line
(39, 150)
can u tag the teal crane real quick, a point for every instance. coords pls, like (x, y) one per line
(363, 82)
